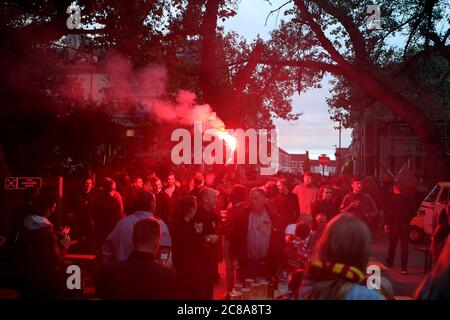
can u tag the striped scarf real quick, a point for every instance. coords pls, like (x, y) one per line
(322, 271)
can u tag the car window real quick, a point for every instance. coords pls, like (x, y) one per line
(443, 198)
(433, 194)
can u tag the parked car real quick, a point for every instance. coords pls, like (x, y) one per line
(423, 224)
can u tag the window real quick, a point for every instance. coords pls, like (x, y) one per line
(444, 197)
(433, 194)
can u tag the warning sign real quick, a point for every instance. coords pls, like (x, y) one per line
(14, 183)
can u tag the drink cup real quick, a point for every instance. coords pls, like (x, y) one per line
(235, 295)
(248, 282)
(238, 286)
(255, 293)
(246, 293)
(264, 289)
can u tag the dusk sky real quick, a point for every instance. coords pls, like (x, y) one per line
(314, 131)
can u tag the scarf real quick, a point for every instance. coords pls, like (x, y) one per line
(323, 271)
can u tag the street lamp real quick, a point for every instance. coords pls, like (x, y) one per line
(338, 156)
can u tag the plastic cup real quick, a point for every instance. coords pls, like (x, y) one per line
(238, 286)
(264, 289)
(235, 295)
(255, 291)
(245, 293)
(248, 282)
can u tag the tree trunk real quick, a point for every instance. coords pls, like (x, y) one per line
(209, 69)
(224, 98)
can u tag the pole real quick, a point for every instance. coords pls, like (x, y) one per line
(340, 151)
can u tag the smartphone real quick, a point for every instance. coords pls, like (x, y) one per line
(164, 254)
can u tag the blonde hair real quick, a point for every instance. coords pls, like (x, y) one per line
(346, 240)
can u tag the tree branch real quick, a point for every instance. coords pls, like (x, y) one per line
(413, 30)
(243, 76)
(401, 25)
(276, 10)
(314, 65)
(274, 74)
(324, 41)
(344, 17)
(446, 36)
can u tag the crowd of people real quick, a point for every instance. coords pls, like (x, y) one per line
(159, 238)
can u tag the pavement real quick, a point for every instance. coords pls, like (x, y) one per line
(404, 285)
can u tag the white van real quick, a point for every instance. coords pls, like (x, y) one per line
(424, 223)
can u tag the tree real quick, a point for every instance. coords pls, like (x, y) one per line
(331, 36)
(182, 35)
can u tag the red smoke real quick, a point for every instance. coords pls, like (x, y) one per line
(147, 86)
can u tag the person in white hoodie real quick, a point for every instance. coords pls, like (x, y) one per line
(40, 250)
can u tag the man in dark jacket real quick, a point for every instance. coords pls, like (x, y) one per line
(359, 203)
(199, 183)
(174, 193)
(286, 203)
(206, 222)
(323, 205)
(238, 201)
(257, 239)
(107, 210)
(398, 214)
(162, 209)
(141, 276)
(79, 218)
(130, 192)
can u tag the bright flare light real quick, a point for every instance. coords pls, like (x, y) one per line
(229, 139)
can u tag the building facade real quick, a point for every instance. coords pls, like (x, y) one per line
(381, 146)
(293, 162)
